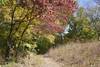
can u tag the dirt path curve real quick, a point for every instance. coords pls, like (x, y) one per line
(49, 62)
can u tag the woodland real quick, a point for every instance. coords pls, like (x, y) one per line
(38, 26)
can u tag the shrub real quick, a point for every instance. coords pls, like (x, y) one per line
(43, 44)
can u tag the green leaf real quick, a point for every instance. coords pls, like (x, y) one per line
(2, 2)
(27, 45)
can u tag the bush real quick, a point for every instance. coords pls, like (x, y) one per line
(82, 29)
(43, 44)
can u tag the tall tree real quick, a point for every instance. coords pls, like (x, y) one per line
(52, 15)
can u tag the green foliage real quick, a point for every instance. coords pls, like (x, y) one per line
(43, 44)
(58, 40)
(84, 30)
(4, 30)
(81, 28)
(2, 1)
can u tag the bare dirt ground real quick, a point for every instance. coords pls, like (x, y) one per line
(48, 62)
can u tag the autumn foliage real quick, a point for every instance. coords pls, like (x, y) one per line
(52, 13)
(22, 17)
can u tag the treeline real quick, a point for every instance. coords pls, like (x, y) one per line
(85, 25)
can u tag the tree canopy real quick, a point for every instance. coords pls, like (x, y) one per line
(23, 18)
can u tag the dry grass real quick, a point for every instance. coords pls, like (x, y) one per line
(77, 54)
(31, 60)
(70, 55)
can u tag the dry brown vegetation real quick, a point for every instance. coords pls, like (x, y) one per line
(68, 55)
(77, 54)
(31, 60)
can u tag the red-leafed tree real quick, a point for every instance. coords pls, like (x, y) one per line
(52, 14)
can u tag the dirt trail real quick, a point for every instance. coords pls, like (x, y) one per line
(49, 62)
(34, 61)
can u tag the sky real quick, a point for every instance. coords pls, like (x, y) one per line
(86, 3)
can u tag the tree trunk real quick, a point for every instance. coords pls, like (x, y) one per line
(10, 50)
